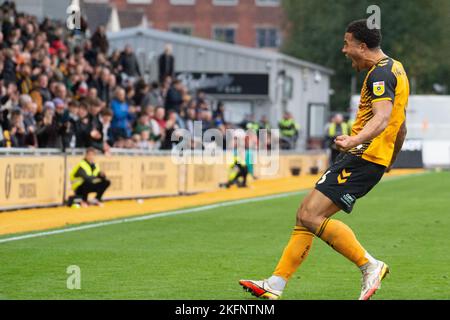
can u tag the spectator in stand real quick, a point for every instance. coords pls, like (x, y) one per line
(9, 68)
(174, 97)
(95, 125)
(89, 53)
(129, 63)
(219, 114)
(155, 131)
(20, 137)
(99, 40)
(74, 107)
(103, 85)
(166, 63)
(170, 127)
(82, 125)
(153, 96)
(106, 116)
(24, 79)
(207, 120)
(47, 132)
(190, 120)
(29, 113)
(142, 124)
(40, 93)
(120, 126)
(62, 120)
(264, 123)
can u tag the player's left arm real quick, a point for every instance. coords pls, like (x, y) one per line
(401, 135)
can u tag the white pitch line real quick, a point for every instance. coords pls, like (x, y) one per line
(170, 213)
(152, 216)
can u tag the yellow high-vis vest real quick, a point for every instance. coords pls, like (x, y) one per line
(332, 129)
(78, 181)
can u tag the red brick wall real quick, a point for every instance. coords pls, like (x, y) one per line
(204, 15)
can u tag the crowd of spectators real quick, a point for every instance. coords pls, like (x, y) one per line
(64, 89)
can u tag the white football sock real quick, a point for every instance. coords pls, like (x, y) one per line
(277, 283)
(369, 265)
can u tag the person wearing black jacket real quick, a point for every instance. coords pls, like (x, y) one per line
(95, 127)
(100, 41)
(174, 98)
(129, 62)
(166, 63)
(82, 126)
(47, 130)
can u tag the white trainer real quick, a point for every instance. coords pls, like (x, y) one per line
(260, 289)
(371, 280)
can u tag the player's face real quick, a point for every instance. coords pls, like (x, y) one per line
(353, 51)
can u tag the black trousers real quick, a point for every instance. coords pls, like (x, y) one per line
(243, 172)
(334, 154)
(88, 187)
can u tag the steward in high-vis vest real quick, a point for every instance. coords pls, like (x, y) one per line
(86, 178)
(238, 172)
(289, 130)
(337, 127)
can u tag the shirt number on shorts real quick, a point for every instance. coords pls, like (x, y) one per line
(324, 177)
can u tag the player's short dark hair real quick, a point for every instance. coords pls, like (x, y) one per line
(361, 32)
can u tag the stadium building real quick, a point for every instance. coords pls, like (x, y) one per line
(247, 80)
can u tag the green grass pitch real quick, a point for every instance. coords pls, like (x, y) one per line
(202, 255)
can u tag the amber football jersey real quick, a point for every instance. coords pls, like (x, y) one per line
(386, 80)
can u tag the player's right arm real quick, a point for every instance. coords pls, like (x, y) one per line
(380, 120)
(381, 84)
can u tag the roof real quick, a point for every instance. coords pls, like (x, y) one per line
(130, 18)
(96, 14)
(216, 45)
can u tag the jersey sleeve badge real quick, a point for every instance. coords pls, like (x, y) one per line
(378, 88)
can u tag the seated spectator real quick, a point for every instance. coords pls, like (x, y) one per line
(19, 135)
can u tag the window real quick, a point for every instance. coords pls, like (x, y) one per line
(225, 34)
(181, 29)
(182, 2)
(268, 3)
(267, 38)
(225, 2)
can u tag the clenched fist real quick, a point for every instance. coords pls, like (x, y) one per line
(345, 143)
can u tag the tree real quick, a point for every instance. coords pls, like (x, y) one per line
(414, 32)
